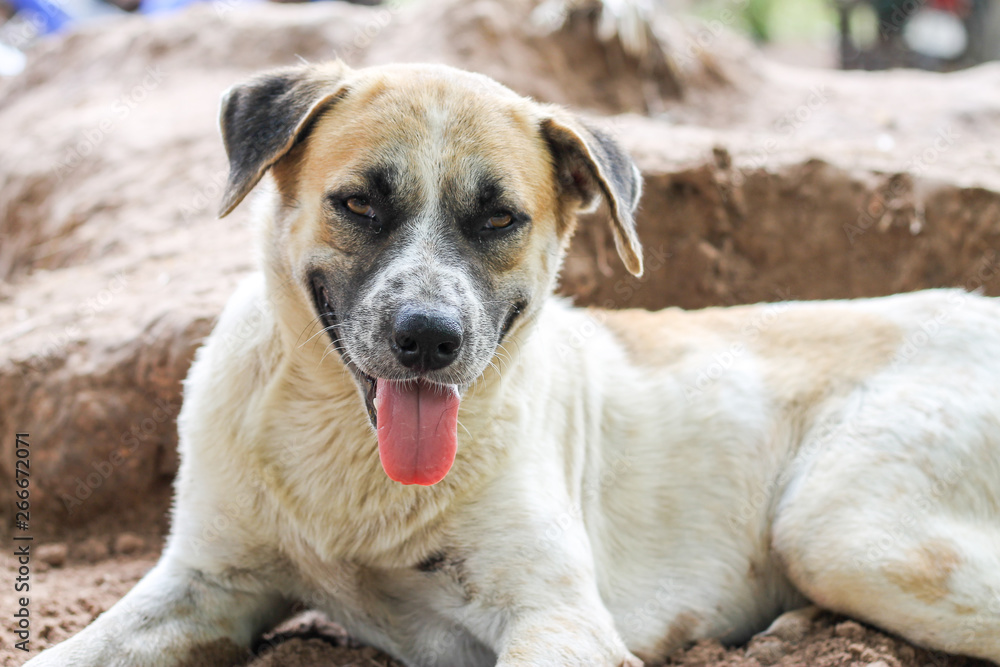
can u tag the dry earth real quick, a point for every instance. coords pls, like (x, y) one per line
(763, 182)
(72, 595)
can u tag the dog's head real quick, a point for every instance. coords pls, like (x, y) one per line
(424, 213)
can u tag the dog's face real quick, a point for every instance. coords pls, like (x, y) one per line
(425, 212)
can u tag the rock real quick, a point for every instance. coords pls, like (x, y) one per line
(92, 550)
(129, 544)
(849, 630)
(53, 554)
(767, 650)
(794, 625)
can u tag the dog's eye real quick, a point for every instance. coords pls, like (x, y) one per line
(360, 206)
(500, 221)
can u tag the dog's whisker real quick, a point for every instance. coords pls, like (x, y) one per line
(331, 347)
(512, 340)
(503, 361)
(314, 321)
(318, 333)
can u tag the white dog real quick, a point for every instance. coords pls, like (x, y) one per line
(395, 422)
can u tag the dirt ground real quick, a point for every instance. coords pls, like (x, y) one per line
(762, 182)
(70, 596)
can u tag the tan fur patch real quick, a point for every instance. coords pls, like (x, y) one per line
(664, 337)
(818, 353)
(925, 575)
(811, 352)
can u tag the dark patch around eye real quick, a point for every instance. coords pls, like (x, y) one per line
(489, 192)
(472, 211)
(381, 181)
(384, 189)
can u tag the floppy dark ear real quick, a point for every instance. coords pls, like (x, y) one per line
(262, 118)
(590, 164)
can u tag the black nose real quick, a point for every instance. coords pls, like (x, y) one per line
(425, 339)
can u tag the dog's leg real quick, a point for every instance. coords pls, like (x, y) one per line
(581, 635)
(793, 625)
(534, 593)
(940, 589)
(175, 616)
(770, 646)
(903, 534)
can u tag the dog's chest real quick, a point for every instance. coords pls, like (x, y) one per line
(408, 610)
(329, 493)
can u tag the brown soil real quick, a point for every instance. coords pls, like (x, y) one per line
(763, 182)
(69, 597)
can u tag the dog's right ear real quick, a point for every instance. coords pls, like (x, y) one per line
(590, 164)
(263, 118)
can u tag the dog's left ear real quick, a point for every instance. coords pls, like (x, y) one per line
(262, 119)
(590, 164)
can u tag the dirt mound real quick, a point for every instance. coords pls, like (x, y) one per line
(762, 183)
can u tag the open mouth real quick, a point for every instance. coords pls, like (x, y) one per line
(415, 419)
(418, 431)
(508, 323)
(331, 326)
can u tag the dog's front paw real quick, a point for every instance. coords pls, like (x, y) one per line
(74, 653)
(551, 646)
(632, 661)
(563, 658)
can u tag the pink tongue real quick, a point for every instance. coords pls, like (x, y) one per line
(417, 430)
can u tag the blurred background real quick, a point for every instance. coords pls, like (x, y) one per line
(940, 35)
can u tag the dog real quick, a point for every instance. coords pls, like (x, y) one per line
(414, 436)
